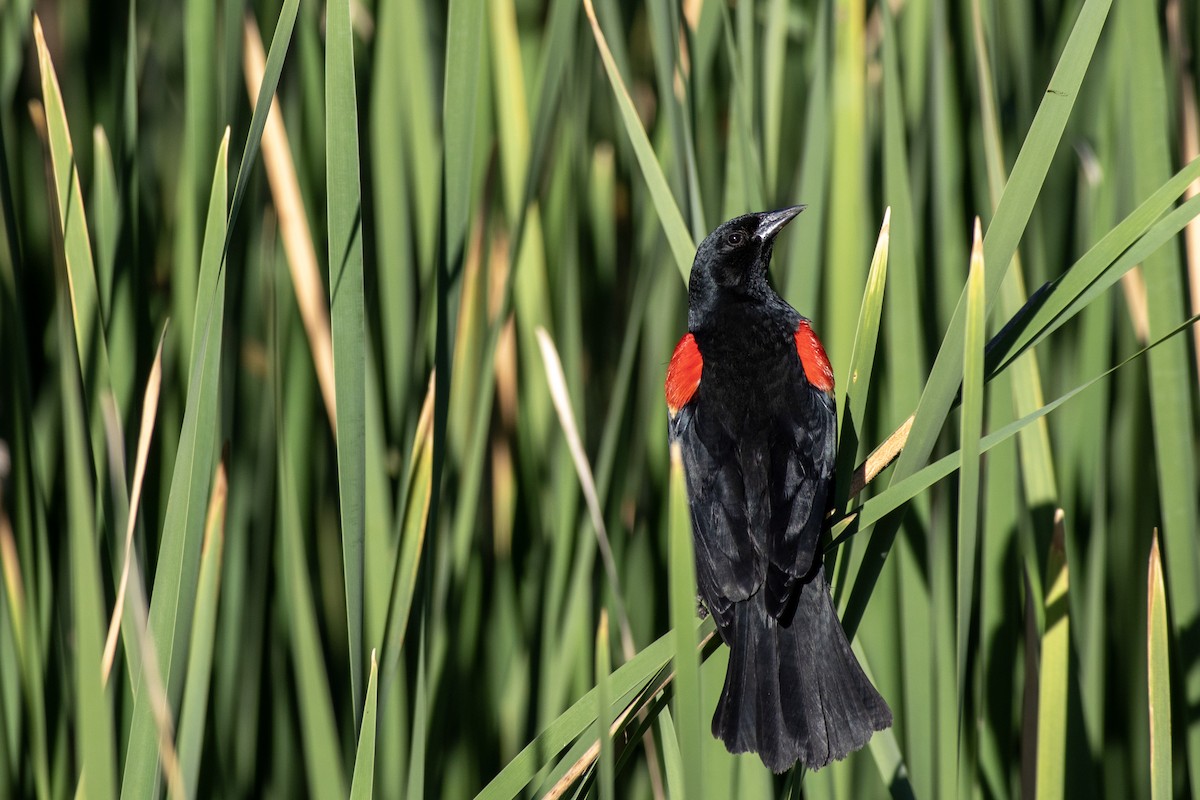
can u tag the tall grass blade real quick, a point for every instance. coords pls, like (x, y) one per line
(676, 230)
(969, 492)
(603, 701)
(413, 526)
(347, 317)
(172, 600)
(1172, 385)
(94, 731)
(1012, 215)
(857, 382)
(363, 783)
(194, 712)
(683, 622)
(322, 759)
(1054, 674)
(1158, 676)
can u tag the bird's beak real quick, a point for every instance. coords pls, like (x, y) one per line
(771, 222)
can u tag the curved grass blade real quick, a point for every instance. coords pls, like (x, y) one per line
(902, 491)
(630, 676)
(1004, 233)
(676, 230)
(347, 316)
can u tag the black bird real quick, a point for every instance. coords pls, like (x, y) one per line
(750, 398)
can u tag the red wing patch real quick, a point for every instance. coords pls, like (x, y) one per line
(813, 358)
(683, 374)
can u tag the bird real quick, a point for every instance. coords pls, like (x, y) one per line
(751, 407)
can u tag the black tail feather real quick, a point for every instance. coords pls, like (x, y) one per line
(794, 692)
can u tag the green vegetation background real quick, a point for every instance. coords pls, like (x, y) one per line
(332, 443)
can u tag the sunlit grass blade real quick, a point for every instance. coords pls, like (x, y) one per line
(676, 230)
(412, 535)
(1012, 215)
(1158, 677)
(1171, 382)
(193, 714)
(683, 622)
(575, 720)
(804, 264)
(347, 316)
(847, 178)
(857, 380)
(84, 292)
(1054, 674)
(173, 598)
(969, 491)
(363, 783)
(902, 491)
(94, 731)
(603, 662)
(1039, 481)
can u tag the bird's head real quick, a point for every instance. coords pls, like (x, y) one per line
(735, 256)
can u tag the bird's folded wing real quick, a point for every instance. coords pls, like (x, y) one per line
(728, 567)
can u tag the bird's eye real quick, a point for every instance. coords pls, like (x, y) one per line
(735, 239)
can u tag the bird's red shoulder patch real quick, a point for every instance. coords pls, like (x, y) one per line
(813, 358)
(683, 373)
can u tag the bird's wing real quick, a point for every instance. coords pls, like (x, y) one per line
(728, 566)
(802, 447)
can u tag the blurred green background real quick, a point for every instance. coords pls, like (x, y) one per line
(390, 510)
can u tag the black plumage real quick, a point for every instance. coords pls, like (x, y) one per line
(752, 409)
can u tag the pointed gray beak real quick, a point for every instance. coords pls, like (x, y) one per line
(771, 222)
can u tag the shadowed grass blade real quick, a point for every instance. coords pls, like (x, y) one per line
(347, 317)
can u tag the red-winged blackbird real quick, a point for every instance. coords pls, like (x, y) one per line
(750, 397)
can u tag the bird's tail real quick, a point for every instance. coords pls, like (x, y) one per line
(795, 692)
